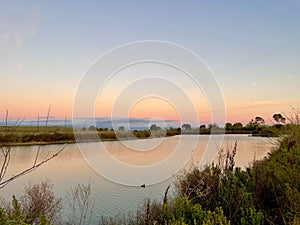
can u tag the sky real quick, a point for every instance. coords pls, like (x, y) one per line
(252, 47)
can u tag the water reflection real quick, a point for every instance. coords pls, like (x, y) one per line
(69, 168)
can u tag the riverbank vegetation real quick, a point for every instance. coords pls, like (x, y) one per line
(29, 135)
(24, 135)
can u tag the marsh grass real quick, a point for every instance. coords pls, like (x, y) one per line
(81, 204)
(25, 135)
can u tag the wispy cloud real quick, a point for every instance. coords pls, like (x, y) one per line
(6, 37)
(128, 123)
(256, 104)
(6, 40)
(14, 30)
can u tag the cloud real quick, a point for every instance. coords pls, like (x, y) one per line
(12, 40)
(128, 123)
(256, 104)
(6, 37)
(16, 30)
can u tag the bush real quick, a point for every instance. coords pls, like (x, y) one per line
(13, 214)
(266, 193)
(177, 212)
(38, 205)
(39, 200)
(277, 184)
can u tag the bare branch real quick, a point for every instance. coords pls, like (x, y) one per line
(6, 118)
(37, 155)
(35, 166)
(48, 114)
(19, 122)
(6, 155)
(38, 121)
(6, 151)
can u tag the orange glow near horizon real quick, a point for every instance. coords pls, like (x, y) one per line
(154, 108)
(146, 108)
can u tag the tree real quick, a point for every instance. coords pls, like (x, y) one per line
(92, 128)
(259, 120)
(153, 127)
(202, 126)
(187, 126)
(121, 128)
(213, 126)
(237, 126)
(278, 118)
(228, 126)
(255, 124)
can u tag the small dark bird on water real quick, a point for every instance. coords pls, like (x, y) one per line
(143, 185)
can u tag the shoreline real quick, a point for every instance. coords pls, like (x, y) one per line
(28, 136)
(37, 143)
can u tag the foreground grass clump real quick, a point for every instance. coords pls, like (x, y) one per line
(178, 212)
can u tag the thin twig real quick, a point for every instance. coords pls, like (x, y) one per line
(6, 118)
(38, 121)
(6, 155)
(19, 122)
(37, 155)
(46, 123)
(165, 201)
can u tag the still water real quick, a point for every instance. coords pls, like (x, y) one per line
(118, 190)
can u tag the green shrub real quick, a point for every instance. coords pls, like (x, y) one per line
(266, 193)
(177, 212)
(250, 216)
(216, 218)
(38, 205)
(277, 184)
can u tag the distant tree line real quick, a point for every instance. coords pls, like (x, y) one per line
(255, 127)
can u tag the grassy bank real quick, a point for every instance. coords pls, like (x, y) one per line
(25, 135)
(28, 135)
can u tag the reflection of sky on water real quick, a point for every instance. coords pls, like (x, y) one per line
(69, 168)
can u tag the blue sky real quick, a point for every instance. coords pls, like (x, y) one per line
(253, 47)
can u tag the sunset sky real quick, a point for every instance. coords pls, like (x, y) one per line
(252, 47)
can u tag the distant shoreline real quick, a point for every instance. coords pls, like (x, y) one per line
(30, 136)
